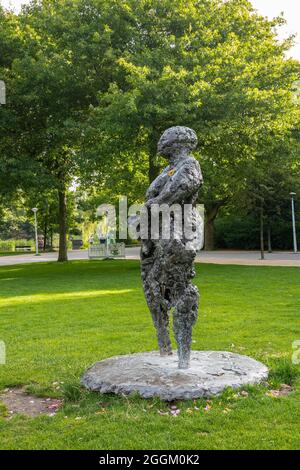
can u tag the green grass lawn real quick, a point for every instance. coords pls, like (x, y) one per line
(57, 319)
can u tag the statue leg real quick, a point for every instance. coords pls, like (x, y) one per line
(157, 303)
(160, 316)
(184, 318)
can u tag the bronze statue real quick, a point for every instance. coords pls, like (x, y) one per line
(167, 264)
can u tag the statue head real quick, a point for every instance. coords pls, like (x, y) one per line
(177, 140)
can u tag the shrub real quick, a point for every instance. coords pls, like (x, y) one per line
(8, 246)
(284, 373)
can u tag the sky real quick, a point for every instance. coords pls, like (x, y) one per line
(270, 8)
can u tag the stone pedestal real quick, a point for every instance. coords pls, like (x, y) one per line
(151, 375)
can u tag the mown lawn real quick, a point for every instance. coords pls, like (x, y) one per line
(58, 319)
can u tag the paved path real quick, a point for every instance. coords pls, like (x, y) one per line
(250, 258)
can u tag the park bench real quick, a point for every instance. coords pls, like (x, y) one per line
(23, 248)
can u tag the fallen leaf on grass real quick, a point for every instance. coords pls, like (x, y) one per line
(286, 389)
(282, 392)
(55, 405)
(173, 411)
(162, 413)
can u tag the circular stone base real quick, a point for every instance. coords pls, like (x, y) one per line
(151, 375)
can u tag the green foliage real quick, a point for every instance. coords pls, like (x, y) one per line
(242, 231)
(10, 245)
(224, 74)
(72, 391)
(93, 83)
(237, 232)
(15, 221)
(284, 372)
(7, 245)
(3, 411)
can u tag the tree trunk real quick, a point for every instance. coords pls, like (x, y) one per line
(153, 171)
(209, 228)
(45, 233)
(269, 239)
(51, 238)
(209, 235)
(262, 240)
(63, 251)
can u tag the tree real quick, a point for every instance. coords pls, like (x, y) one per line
(212, 65)
(94, 83)
(267, 187)
(67, 57)
(13, 169)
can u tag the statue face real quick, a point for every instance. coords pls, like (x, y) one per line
(176, 140)
(165, 146)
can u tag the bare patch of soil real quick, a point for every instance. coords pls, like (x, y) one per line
(16, 400)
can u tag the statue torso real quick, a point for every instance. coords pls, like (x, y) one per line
(185, 174)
